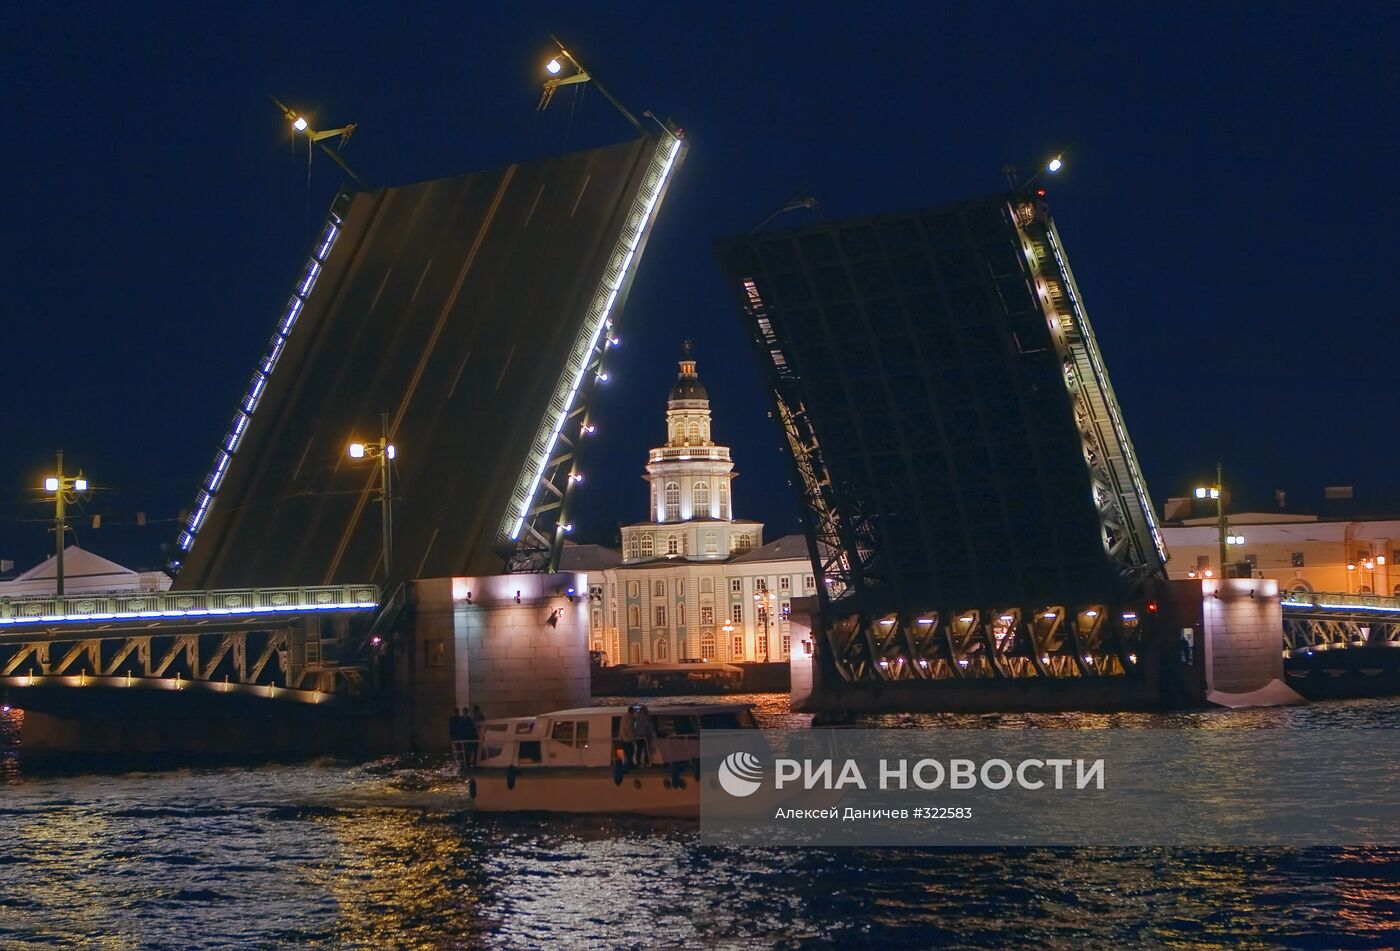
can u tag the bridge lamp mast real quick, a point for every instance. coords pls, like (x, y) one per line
(66, 490)
(565, 60)
(300, 124)
(1217, 492)
(385, 452)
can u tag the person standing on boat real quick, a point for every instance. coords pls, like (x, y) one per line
(478, 718)
(471, 738)
(627, 736)
(645, 731)
(457, 731)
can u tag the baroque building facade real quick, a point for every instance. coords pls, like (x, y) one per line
(692, 581)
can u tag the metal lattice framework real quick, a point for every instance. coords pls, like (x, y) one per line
(1329, 621)
(971, 497)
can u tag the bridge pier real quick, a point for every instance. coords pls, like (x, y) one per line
(515, 645)
(1241, 625)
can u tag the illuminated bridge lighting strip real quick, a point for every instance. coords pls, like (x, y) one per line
(615, 276)
(165, 605)
(246, 407)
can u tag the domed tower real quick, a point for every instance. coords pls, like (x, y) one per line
(691, 510)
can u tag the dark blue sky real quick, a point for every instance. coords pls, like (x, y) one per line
(1229, 205)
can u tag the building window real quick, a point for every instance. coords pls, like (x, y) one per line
(737, 585)
(635, 653)
(659, 653)
(702, 498)
(760, 585)
(1203, 561)
(707, 614)
(634, 547)
(694, 432)
(680, 615)
(786, 610)
(634, 617)
(673, 502)
(738, 647)
(787, 646)
(784, 584)
(811, 584)
(724, 500)
(633, 589)
(673, 545)
(646, 546)
(707, 645)
(707, 585)
(711, 544)
(736, 613)
(660, 615)
(745, 542)
(1298, 559)
(761, 642)
(597, 620)
(659, 589)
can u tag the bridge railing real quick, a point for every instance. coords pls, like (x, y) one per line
(224, 602)
(1335, 600)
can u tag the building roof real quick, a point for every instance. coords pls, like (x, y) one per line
(588, 558)
(83, 571)
(787, 548)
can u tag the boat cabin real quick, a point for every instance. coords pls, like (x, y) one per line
(588, 736)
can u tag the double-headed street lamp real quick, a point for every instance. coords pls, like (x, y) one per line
(385, 452)
(65, 490)
(1227, 538)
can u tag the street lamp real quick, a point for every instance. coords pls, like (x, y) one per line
(65, 491)
(385, 452)
(555, 69)
(1049, 167)
(1217, 492)
(765, 600)
(313, 137)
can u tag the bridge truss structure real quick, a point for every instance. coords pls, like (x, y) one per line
(971, 497)
(273, 644)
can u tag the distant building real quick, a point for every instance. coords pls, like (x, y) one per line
(83, 573)
(692, 580)
(1332, 551)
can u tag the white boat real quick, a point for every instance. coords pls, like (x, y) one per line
(573, 761)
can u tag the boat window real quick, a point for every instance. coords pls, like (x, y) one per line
(616, 726)
(524, 727)
(570, 733)
(493, 741)
(528, 751)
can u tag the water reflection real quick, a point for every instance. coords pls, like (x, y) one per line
(384, 855)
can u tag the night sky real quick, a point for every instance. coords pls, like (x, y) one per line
(1228, 202)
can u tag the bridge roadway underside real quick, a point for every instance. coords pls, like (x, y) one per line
(99, 720)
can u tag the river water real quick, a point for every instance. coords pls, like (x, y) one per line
(383, 854)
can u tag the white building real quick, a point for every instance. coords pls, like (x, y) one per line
(83, 573)
(693, 580)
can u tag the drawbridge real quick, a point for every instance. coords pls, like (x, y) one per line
(971, 497)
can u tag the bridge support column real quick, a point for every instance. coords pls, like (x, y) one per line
(515, 645)
(1242, 643)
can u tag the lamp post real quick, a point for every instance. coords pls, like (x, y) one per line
(765, 601)
(384, 451)
(66, 490)
(1226, 537)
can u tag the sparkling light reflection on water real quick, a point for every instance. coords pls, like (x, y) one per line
(383, 855)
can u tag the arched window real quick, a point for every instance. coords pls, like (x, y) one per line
(633, 589)
(634, 547)
(635, 653)
(673, 502)
(673, 545)
(634, 617)
(646, 546)
(660, 652)
(702, 498)
(680, 615)
(707, 585)
(1364, 589)
(707, 645)
(724, 500)
(694, 432)
(1396, 592)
